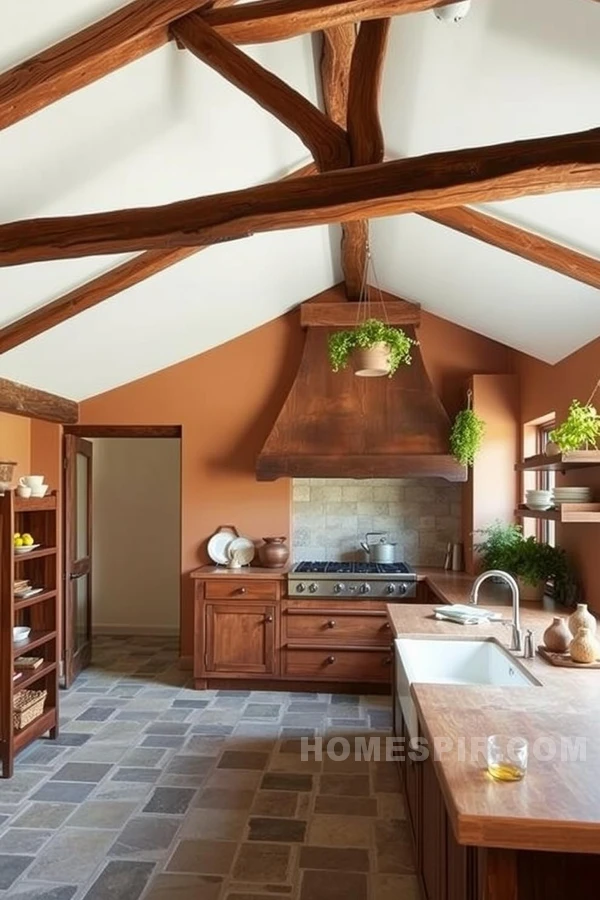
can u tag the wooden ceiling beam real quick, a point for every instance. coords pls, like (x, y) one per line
(276, 20)
(520, 242)
(327, 142)
(364, 122)
(118, 39)
(419, 184)
(20, 400)
(102, 288)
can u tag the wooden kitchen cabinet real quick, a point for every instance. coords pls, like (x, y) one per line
(240, 638)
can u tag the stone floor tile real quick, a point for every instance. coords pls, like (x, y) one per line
(78, 771)
(44, 815)
(261, 711)
(344, 859)
(235, 894)
(214, 824)
(234, 779)
(15, 789)
(165, 741)
(222, 798)
(275, 803)
(145, 838)
(169, 800)
(190, 765)
(64, 791)
(293, 762)
(395, 887)
(319, 885)
(203, 857)
(203, 745)
(233, 693)
(190, 703)
(110, 814)
(166, 728)
(345, 785)
(96, 714)
(349, 766)
(134, 792)
(143, 717)
(220, 717)
(136, 774)
(283, 781)
(299, 732)
(92, 752)
(28, 890)
(243, 759)
(41, 753)
(120, 880)
(119, 733)
(394, 847)
(391, 806)
(11, 867)
(70, 739)
(209, 728)
(24, 841)
(141, 757)
(344, 699)
(287, 831)
(3, 819)
(346, 806)
(300, 706)
(174, 715)
(385, 777)
(340, 831)
(171, 886)
(72, 855)
(263, 863)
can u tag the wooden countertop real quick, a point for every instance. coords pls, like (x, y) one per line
(557, 805)
(207, 572)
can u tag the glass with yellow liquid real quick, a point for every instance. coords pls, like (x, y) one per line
(507, 757)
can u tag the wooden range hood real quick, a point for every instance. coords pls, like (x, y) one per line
(335, 425)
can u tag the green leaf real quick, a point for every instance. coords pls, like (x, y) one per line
(343, 343)
(466, 436)
(580, 430)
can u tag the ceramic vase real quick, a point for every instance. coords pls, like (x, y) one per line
(372, 362)
(557, 636)
(584, 646)
(274, 552)
(581, 617)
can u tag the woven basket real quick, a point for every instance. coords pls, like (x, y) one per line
(28, 706)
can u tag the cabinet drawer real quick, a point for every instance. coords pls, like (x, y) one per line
(241, 589)
(337, 626)
(333, 664)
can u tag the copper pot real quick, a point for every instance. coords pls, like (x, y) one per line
(274, 553)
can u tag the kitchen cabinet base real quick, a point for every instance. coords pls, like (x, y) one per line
(280, 684)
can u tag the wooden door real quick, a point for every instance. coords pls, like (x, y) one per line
(78, 556)
(240, 639)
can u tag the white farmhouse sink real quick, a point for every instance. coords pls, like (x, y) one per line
(444, 661)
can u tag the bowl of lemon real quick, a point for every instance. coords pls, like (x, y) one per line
(24, 543)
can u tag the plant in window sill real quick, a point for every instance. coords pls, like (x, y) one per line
(581, 428)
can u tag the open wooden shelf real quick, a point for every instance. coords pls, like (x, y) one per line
(31, 677)
(561, 462)
(35, 504)
(35, 554)
(36, 639)
(33, 601)
(565, 513)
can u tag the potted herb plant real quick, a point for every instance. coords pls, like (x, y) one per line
(496, 549)
(467, 434)
(374, 348)
(581, 428)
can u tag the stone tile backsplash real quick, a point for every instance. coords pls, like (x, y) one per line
(332, 515)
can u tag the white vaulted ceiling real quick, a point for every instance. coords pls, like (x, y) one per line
(167, 127)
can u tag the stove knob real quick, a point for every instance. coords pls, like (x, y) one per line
(300, 588)
(402, 588)
(390, 588)
(365, 588)
(352, 588)
(338, 588)
(313, 588)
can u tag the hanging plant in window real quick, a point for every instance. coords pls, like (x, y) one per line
(467, 434)
(373, 347)
(581, 428)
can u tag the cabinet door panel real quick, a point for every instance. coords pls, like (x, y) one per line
(432, 833)
(337, 626)
(336, 664)
(240, 639)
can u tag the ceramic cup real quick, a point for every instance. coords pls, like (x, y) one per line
(39, 491)
(32, 481)
(24, 491)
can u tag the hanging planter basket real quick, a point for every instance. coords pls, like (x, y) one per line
(372, 362)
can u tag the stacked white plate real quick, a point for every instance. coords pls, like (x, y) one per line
(572, 495)
(538, 499)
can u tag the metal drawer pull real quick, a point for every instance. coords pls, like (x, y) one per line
(241, 590)
(387, 625)
(330, 660)
(331, 623)
(387, 661)
(268, 618)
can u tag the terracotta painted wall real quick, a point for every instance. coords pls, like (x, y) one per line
(546, 389)
(226, 401)
(15, 442)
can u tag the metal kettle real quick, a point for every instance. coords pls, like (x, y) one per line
(378, 548)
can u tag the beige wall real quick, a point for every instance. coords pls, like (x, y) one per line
(136, 535)
(15, 442)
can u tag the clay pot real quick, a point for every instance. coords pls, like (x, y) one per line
(372, 362)
(531, 592)
(557, 636)
(581, 618)
(274, 553)
(584, 646)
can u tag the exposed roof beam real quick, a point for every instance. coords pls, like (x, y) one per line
(364, 121)
(120, 38)
(327, 142)
(20, 400)
(521, 242)
(435, 181)
(276, 20)
(102, 288)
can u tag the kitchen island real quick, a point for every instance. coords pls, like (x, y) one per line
(535, 839)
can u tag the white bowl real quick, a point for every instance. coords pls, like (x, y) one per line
(21, 634)
(40, 491)
(539, 507)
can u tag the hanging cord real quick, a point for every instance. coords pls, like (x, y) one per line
(470, 398)
(364, 310)
(592, 395)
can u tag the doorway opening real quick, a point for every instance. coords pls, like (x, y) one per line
(122, 529)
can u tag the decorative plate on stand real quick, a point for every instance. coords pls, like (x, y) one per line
(219, 543)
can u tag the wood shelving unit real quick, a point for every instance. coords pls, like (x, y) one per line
(566, 513)
(39, 612)
(562, 462)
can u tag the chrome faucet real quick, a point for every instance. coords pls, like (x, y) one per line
(517, 633)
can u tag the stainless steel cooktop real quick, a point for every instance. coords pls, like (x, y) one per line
(361, 580)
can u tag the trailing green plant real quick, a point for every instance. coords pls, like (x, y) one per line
(496, 549)
(580, 430)
(467, 435)
(343, 343)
